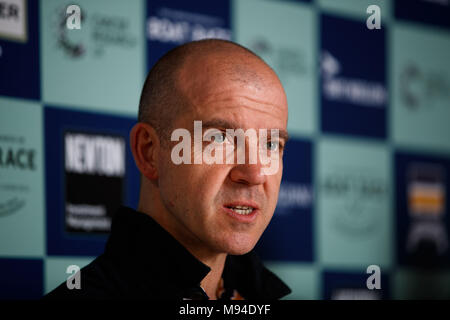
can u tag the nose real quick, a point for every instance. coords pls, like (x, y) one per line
(247, 171)
(248, 174)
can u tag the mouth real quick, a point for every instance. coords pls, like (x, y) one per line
(242, 211)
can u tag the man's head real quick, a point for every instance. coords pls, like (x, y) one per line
(226, 87)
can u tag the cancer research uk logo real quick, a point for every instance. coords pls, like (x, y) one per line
(94, 173)
(100, 33)
(353, 90)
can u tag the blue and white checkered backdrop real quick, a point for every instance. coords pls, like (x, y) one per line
(366, 178)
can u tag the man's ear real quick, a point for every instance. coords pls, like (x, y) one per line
(144, 144)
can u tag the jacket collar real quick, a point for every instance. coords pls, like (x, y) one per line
(139, 244)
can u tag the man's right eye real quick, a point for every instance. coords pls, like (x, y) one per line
(220, 137)
(216, 136)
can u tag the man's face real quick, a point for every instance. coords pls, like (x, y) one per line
(199, 197)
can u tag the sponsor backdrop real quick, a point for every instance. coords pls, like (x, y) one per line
(367, 172)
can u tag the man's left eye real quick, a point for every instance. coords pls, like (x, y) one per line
(273, 145)
(219, 137)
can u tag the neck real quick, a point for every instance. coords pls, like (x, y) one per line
(213, 259)
(211, 282)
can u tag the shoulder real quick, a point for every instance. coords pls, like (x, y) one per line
(252, 279)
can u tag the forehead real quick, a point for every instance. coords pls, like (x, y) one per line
(247, 91)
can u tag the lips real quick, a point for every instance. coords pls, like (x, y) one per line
(244, 211)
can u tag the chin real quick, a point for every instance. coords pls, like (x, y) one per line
(239, 245)
(239, 251)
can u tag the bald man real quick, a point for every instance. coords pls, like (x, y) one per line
(197, 222)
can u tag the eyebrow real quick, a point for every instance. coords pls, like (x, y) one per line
(225, 124)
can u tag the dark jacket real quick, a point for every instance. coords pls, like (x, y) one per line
(143, 261)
